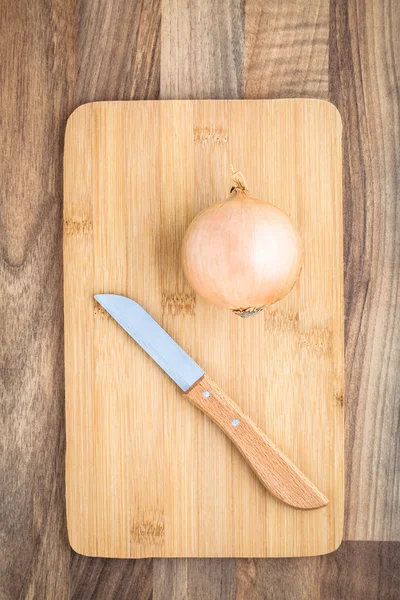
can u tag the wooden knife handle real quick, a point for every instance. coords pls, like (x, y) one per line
(278, 474)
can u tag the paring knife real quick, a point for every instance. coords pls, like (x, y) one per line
(278, 474)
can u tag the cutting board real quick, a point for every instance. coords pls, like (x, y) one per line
(147, 474)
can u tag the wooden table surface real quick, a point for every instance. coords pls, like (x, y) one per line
(57, 54)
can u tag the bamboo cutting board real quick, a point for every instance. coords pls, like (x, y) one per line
(147, 473)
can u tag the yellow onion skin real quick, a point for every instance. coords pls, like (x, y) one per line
(242, 253)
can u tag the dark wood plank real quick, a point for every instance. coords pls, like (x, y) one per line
(361, 571)
(277, 579)
(211, 579)
(170, 578)
(119, 50)
(364, 75)
(37, 50)
(286, 48)
(197, 579)
(202, 49)
(358, 570)
(104, 578)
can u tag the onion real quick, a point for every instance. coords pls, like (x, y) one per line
(242, 253)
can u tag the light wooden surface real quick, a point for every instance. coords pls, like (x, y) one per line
(279, 475)
(56, 55)
(147, 473)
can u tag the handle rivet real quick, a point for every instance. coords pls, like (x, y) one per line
(206, 394)
(235, 422)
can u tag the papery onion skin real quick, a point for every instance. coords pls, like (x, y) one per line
(242, 253)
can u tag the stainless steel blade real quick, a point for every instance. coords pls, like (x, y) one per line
(152, 338)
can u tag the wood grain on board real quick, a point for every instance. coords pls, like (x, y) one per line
(37, 54)
(286, 48)
(280, 476)
(365, 81)
(39, 63)
(148, 474)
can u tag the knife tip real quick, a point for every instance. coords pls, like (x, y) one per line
(100, 298)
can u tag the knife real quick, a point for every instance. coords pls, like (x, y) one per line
(277, 473)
